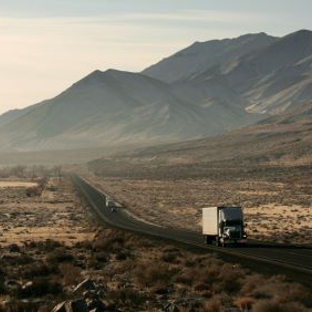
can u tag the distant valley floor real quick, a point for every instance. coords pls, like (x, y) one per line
(277, 201)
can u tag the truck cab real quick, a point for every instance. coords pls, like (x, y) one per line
(110, 203)
(224, 225)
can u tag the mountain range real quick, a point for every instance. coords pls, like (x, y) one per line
(282, 141)
(204, 90)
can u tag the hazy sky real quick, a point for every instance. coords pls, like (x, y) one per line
(46, 45)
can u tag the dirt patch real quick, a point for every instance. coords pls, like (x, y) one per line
(17, 184)
(280, 211)
(56, 214)
(286, 224)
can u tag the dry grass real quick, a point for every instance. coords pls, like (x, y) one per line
(152, 277)
(162, 274)
(277, 210)
(132, 273)
(287, 224)
(55, 214)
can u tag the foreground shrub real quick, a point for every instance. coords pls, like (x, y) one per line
(59, 255)
(229, 279)
(149, 273)
(47, 246)
(108, 240)
(198, 274)
(244, 303)
(124, 254)
(171, 256)
(273, 306)
(36, 270)
(18, 306)
(213, 305)
(277, 287)
(39, 288)
(70, 273)
(128, 297)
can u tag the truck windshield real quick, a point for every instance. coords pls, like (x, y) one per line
(233, 222)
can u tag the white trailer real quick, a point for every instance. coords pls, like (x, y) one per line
(224, 225)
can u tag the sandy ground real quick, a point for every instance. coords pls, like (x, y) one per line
(17, 184)
(56, 214)
(283, 223)
(274, 211)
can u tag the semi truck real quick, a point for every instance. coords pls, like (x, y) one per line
(110, 203)
(224, 225)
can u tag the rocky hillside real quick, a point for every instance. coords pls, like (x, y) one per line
(205, 90)
(283, 140)
(116, 108)
(272, 80)
(201, 56)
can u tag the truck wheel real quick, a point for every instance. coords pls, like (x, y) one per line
(208, 240)
(217, 242)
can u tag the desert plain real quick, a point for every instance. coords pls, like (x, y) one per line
(52, 250)
(55, 214)
(277, 206)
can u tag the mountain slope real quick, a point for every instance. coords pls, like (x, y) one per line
(9, 116)
(200, 56)
(283, 140)
(232, 84)
(113, 108)
(272, 80)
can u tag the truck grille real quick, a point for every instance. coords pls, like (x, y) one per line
(235, 235)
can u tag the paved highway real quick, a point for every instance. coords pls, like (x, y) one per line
(295, 261)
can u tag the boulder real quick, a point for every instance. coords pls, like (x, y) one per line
(71, 306)
(96, 305)
(60, 307)
(28, 285)
(85, 285)
(90, 294)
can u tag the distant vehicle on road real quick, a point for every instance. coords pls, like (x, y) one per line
(109, 203)
(224, 225)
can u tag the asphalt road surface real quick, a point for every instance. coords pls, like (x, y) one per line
(294, 261)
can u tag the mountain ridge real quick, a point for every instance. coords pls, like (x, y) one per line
(203, 55)
(278, 140)
(113, 107)
(97, 109)
(254, 75)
